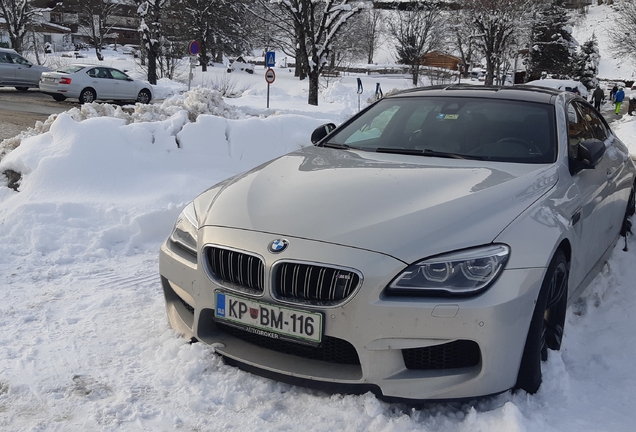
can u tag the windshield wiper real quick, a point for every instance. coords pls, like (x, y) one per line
(337, 146)
(425, 152)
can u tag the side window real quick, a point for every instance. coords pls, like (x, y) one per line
(19, 60)
(118, 75)
(100, 73)
(4, 58)
(595, 124)
(577, 129)
(92, 73)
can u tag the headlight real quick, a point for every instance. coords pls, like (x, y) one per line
(185, 229)
(464, 272)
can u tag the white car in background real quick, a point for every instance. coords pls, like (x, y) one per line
(239, 64)
(18, 72)
(563, 85)
(89, 83)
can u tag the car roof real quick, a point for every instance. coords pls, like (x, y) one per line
(516, 92)
(10, 50)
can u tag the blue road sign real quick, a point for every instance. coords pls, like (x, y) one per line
(270, 59)
(194, 48)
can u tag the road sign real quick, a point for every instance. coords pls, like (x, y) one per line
(270, 59)
(194, 48)
(270, 76)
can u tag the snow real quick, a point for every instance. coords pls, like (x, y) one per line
(84, 340)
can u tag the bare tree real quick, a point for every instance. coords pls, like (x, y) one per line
(622, 33)
(97, 19)
(18, 16)
(372, 30)
(496, 25)
(313, 25)
(462, 41)
(417, 29)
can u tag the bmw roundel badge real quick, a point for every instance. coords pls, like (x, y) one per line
(278, 245)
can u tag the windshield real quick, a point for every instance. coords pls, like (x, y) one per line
(470, 128)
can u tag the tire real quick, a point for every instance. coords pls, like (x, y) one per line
(59, 97)
(546, 326)
(22, 89)
(87, 95)
(143, 97)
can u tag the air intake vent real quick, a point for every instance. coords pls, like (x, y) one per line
(452, 355)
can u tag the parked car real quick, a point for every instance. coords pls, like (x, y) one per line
(89, 83)
(425, 249)
(240, 64)
(573, 86)
(18, 72)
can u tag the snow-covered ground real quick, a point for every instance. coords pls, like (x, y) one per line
(84, 341)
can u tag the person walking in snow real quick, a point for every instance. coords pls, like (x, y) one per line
(632, 104)
(618, 99)
(597, 97)
(613, 93)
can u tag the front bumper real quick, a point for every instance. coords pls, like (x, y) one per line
(381, 329)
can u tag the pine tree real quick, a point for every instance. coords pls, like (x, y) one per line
(553, 48)
(587, 63)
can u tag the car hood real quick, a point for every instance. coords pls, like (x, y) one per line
(408, 207)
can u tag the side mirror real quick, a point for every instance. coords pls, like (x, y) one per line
(590, 153)
(322, 131)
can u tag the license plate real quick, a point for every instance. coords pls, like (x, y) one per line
(47, 79)
(277, 322)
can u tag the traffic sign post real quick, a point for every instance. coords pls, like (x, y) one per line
(193, 49)
(270, 77)
(270, 59)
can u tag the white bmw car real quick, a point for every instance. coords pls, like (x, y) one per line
(426, 249)
(89, 83)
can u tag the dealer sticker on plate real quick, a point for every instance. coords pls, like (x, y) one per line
(278, 322)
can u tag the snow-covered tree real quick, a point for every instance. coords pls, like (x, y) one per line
(151, 13)
(497, 27)
(587, 61)
(97, 19)
(218, 26)
(418, 29)
(18, 15)
(313, 26)
(552, 47)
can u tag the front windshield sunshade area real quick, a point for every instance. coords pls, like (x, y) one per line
(469, 128)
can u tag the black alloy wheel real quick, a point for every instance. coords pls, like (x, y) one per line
(143, 97)
(547, 324)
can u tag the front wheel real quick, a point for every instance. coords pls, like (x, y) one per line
(87, 96)
(143, 96)
(546, 327)
(59, 97)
